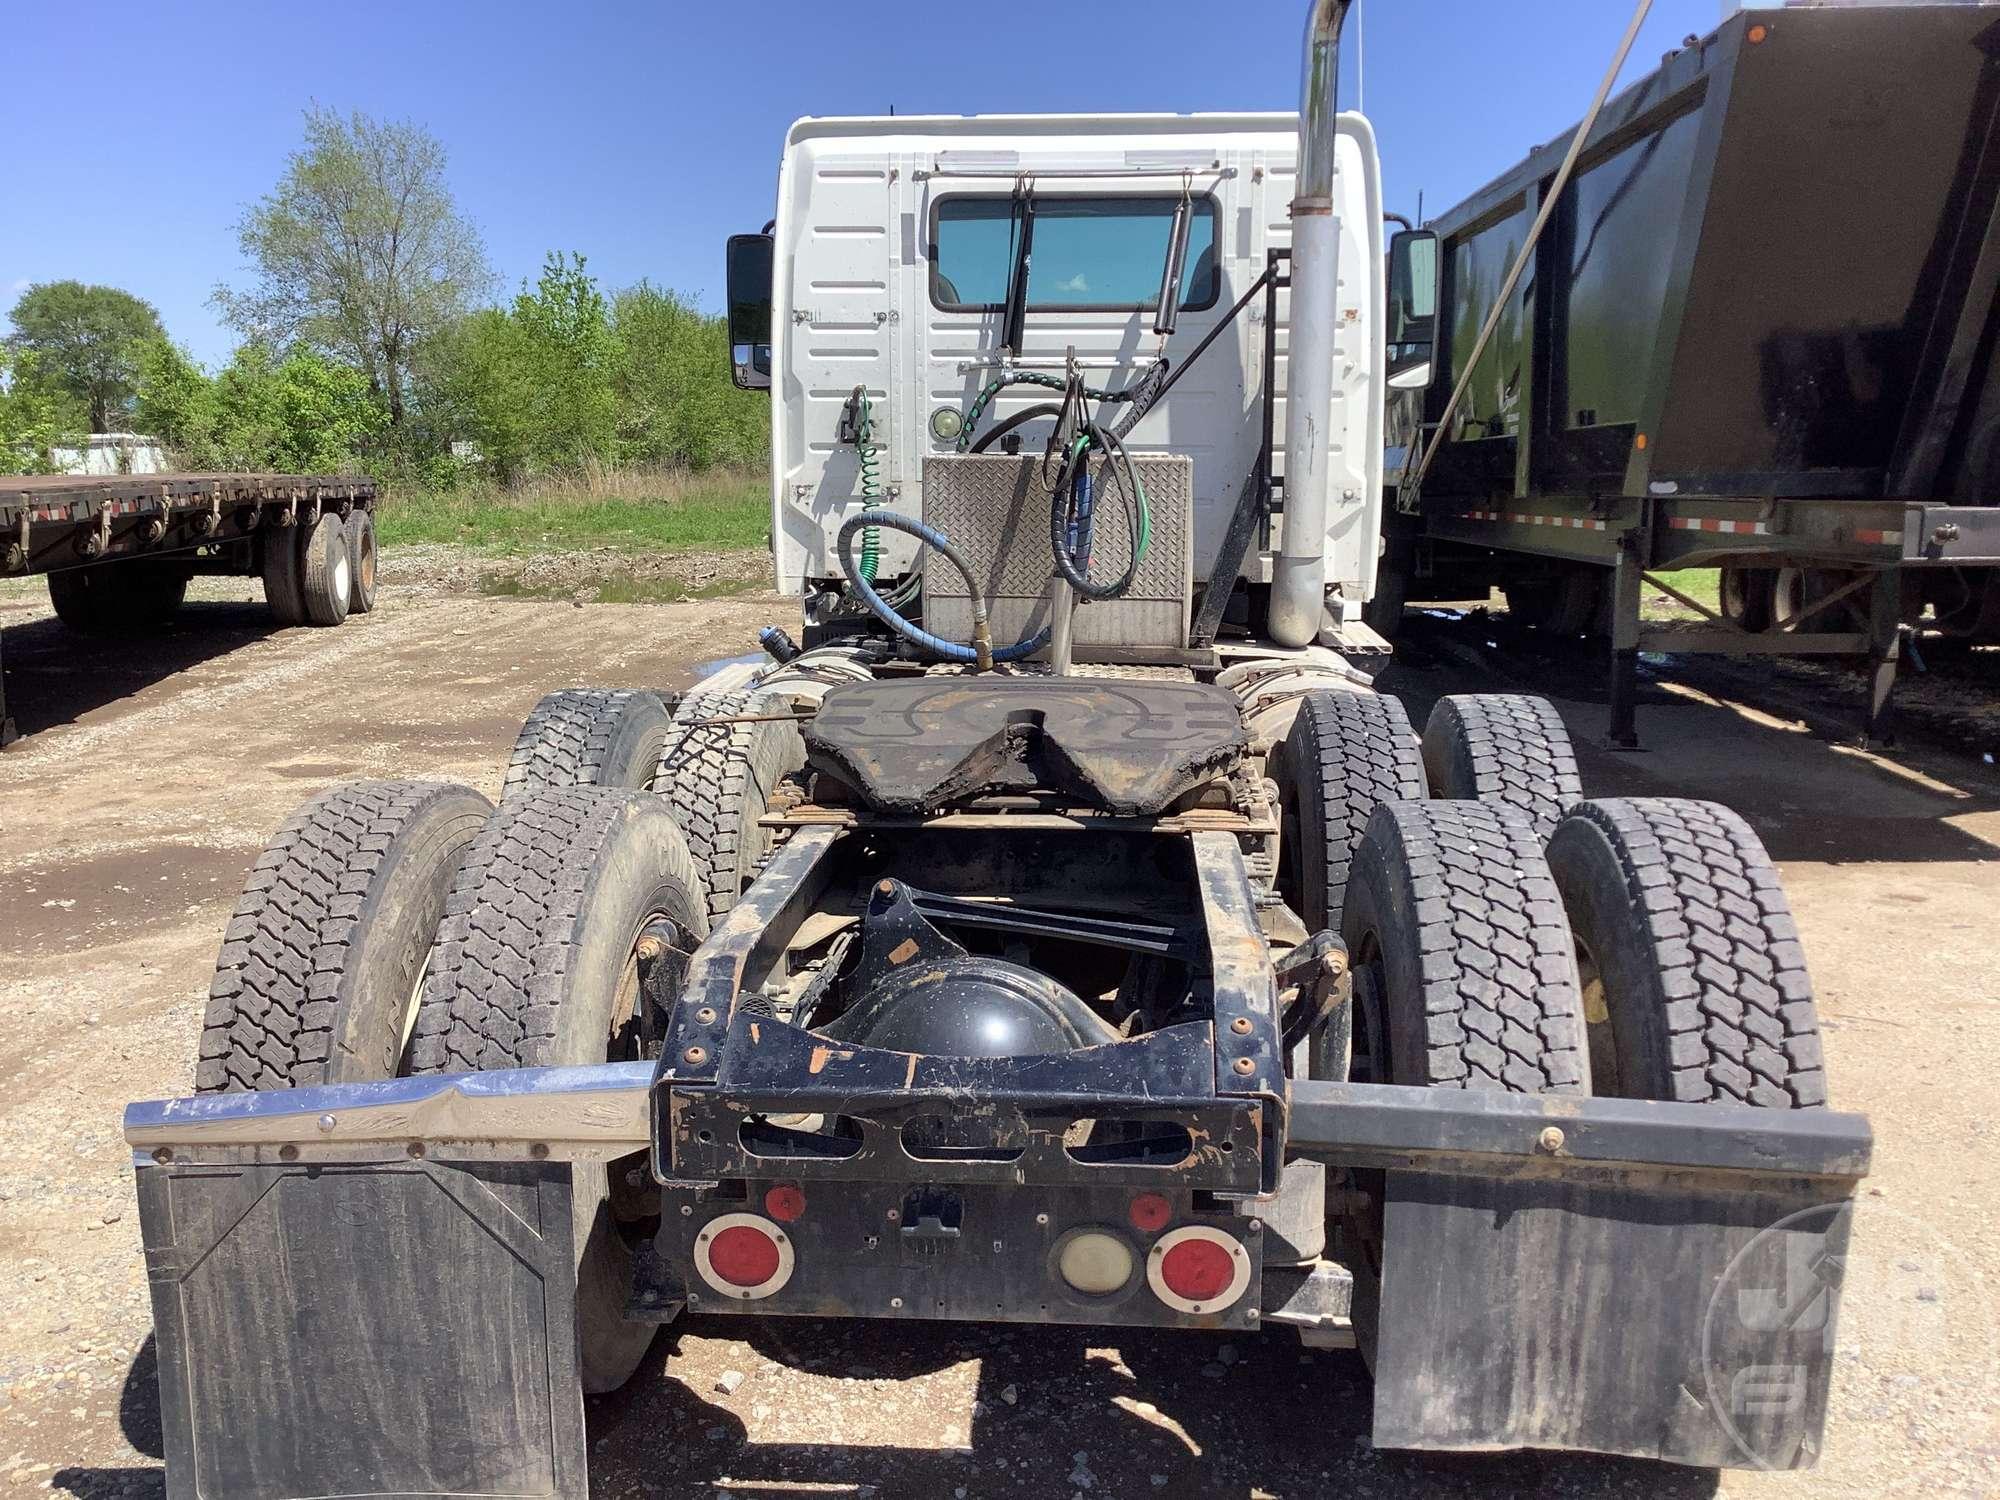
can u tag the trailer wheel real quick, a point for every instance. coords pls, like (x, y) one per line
(361, 562)
(719, 777)
(1566, 605)
(587, 737)
(536, 964)
(1694, 985)
(1461, 954)
(107, 598)
(1346, 754)
(317, 978)
(1746, 596)
(326, 571)
(284, 579)
(1503, 747)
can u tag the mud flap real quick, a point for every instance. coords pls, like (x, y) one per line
(1673, 1317)
(381, 1328)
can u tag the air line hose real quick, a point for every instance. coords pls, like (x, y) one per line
(981, 650)
(871, 482)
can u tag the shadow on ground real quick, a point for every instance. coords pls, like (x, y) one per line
(1106, 1412)
(1759, 743)
(55, 676)
(1058, 1411)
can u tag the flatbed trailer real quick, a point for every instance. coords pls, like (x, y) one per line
(118, 550)
(1716, 358)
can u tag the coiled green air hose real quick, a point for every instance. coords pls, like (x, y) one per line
(871, 484)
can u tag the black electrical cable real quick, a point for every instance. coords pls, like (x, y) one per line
(1062, 514)
(1020, 418)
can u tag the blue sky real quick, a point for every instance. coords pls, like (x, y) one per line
(641, 135)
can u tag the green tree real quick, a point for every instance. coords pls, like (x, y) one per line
(574, 354)
(86, 342)
(533, 387)
(676, 404)
(176, 402)
(360, 252)
(298, 414)
(33, 419)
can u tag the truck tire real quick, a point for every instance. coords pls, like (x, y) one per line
(1565, 605)
(1503, 747)
(107, 598)
(1695, 989)
(587, 737)
(535, 965)
(284, 580)
(361, 562)
(1457, 932)
(1345, 755)
(317, 977)
(718, 778)
(1746, 596)
(326, 571)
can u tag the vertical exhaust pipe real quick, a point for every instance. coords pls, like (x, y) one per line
(1298, 583)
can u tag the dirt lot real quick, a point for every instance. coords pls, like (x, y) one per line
(151, 776)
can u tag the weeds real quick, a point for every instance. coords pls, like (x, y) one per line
(632, 509)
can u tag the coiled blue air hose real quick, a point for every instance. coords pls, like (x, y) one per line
(981, 650)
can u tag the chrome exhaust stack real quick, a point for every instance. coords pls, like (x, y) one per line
(1298, 583)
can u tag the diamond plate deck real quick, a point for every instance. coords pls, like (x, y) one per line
(995, 509)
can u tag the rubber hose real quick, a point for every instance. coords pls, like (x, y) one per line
(993, 434)
(1060, 519)
(981, 652)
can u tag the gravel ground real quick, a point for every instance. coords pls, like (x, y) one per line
(152, 774)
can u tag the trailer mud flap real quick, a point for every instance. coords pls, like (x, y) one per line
(1683, 1321)
(378, 1328)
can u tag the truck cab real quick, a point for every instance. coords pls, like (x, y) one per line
(892, 265)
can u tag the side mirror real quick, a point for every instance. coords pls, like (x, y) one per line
(749, 296)
(1413, 302)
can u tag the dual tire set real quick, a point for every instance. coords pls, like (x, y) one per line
(1506, 933)
(323, 571)
(314, 574)
(410, 927)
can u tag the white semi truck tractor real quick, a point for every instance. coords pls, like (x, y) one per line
(1062, 931)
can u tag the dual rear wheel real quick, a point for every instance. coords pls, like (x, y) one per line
(1506, 933)
(408, 927)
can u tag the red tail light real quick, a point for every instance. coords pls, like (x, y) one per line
(743, 1255)
(1198, 1269)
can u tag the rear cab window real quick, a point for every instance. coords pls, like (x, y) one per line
(1101, 254)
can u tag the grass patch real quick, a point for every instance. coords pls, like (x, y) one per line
(1702, 584)
(635, 511)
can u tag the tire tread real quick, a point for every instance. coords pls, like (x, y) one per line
(1502, 1007)
(1741, 1024)
(1511, 748)
(272, 1008)
(569, 737)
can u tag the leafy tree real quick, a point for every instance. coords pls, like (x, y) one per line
(299, 414)
(86, 342)
(176, 401)
(676, 405)
(533, 387)
(361, 252)
(33, 421)
(574, 354)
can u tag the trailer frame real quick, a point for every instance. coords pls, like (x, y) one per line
(210, 522)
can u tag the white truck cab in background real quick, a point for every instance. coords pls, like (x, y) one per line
(889, 264)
